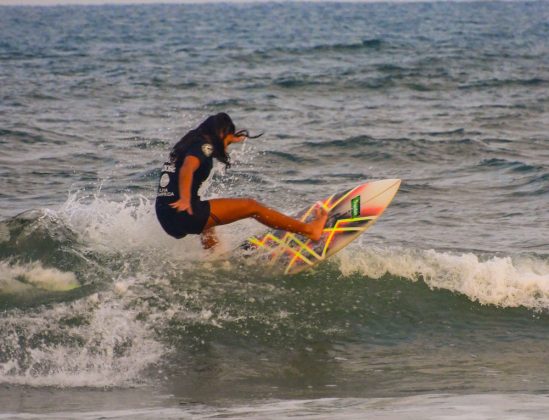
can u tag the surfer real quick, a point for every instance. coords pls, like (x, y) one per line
(179, 208)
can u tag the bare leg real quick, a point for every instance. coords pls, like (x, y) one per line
(208, 238)
(229, 210)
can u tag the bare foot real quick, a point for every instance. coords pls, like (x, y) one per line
(317, 225)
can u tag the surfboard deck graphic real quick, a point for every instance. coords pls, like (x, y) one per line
(350, 213)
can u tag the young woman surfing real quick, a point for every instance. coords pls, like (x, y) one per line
(180, 210)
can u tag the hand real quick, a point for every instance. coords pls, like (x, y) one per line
(182, 205)
(234, 138)
(239, 138)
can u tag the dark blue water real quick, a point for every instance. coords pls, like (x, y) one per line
(447, 294)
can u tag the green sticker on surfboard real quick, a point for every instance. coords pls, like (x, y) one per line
(355, 206)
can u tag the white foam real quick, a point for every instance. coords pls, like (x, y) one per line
(15, 278)
(97, 341)
(500, 281)
(130, 226)
(125, 226)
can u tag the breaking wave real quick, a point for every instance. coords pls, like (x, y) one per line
(490, 280)
(94, 293)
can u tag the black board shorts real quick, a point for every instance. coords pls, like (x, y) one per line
(180, 223)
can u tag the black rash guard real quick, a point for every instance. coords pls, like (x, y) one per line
(175, 223)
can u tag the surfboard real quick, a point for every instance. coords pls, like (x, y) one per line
(350, 214)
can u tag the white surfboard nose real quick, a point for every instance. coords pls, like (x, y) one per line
(395, 182)
(385, 187)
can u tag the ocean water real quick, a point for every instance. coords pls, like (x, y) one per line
(439, 311)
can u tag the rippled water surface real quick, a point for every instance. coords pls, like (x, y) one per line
(445, 300)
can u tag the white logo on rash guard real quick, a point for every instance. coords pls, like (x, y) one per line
(170, 167)
(164, 180)
(207, 149)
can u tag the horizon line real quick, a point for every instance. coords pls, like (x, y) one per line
(50, 3)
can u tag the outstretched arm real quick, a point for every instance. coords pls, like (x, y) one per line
(190, 165)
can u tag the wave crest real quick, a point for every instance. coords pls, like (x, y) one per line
(500, 281)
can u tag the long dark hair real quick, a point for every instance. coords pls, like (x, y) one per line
(213, 130)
